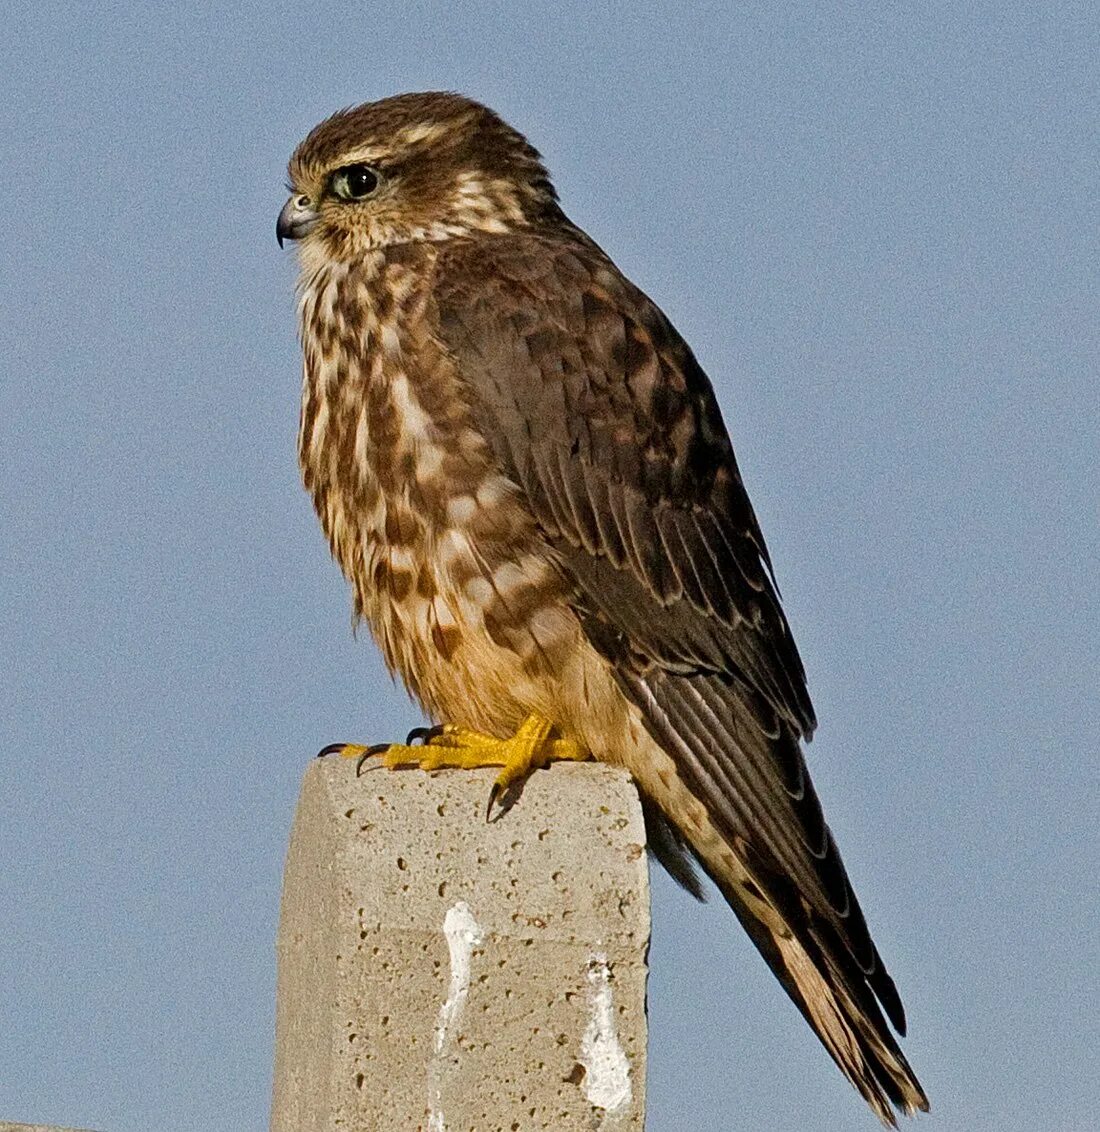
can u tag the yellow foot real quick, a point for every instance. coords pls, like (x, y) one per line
(533, 746)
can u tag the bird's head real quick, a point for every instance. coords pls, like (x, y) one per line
(410, 168)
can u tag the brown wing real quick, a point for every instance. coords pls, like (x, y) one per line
(600, 412)
(603, 414)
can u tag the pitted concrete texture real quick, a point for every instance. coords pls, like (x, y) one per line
(445, 974)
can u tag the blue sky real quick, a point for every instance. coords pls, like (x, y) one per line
(876, 223)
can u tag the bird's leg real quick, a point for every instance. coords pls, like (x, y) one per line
(533, 746)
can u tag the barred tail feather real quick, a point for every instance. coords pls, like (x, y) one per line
(839, 1009)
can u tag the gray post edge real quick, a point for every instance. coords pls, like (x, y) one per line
(9, 1127)
(440, 973)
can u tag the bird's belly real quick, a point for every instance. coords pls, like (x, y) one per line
(476, 624)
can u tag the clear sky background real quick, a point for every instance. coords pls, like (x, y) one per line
(878, 224)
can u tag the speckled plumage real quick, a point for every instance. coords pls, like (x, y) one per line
(525, 477)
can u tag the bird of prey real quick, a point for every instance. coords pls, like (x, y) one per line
(523, 472)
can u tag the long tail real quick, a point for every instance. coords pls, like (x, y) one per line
(834, 998)
(741, 797)
(738, 798)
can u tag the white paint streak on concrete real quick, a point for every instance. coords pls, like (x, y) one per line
(463, 934)
(607, 1070)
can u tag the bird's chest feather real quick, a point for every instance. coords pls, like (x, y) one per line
(446, 564)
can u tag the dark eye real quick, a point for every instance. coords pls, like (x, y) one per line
(354, 182)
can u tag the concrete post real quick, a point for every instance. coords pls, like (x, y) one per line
(8, 1127)
(444, 974)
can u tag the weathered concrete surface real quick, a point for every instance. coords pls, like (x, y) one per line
(444, 974)
(36, 1128)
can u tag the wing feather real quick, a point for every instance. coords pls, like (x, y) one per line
(599, 411)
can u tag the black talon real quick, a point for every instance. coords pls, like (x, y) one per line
(331, 749)
(424, 734)
(494, 793)
(369, 753)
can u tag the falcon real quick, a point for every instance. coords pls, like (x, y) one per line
(524, 475)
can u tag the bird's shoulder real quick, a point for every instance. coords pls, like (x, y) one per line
(551, 333)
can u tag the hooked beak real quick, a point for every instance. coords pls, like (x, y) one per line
(297, 218)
